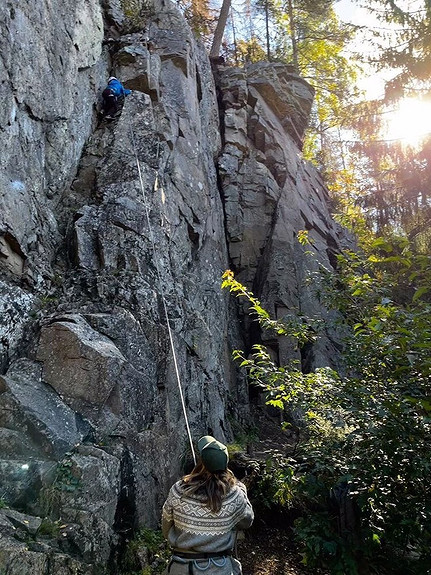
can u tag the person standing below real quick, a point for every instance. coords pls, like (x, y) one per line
(203, 512)
(113, 98)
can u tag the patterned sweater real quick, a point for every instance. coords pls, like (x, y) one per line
(189, 525)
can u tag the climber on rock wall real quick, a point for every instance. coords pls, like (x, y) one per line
(113, 98)
(202, 514)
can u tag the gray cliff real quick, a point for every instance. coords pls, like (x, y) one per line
(103, 228)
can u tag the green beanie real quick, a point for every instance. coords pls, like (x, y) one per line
(214, 454)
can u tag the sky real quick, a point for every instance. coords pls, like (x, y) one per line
(408, 119)
(348, 11)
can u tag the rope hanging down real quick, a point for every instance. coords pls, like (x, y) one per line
(153, 245)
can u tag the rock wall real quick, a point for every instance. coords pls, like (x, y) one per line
(270, 194)
(107, 230)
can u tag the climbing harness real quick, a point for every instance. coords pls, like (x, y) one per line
(162, 293)
(200, 561)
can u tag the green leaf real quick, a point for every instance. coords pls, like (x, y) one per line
(420, 292)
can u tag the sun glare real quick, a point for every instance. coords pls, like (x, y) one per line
(409, 122)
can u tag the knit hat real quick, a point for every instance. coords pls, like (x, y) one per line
(214, 454)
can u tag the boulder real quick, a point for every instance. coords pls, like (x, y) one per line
(79, 363)
(36, 429)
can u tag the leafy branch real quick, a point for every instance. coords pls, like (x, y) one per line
(302, 331)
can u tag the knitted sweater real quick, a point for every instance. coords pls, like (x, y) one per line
(189, 524)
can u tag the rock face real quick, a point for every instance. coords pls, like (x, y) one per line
(113, 240)
(52, 60)
(270, 194)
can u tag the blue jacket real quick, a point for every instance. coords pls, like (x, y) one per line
(117, 87)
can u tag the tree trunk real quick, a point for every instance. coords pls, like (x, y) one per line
(234, 38)
(268, 49)
(293, 35)
(219, 31)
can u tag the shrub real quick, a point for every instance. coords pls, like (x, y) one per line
(361, 475)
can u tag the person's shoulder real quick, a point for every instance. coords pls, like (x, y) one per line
(174, 494)
(241, 486)
(236, 490)
(239, 491)
(175, 490)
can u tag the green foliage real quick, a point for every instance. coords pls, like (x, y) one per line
(47, 301)
(273, 483)
(318, 48)
(361, 474)
(309, 36)
(136, 12)
(248, 51)
(287, 386)
(200, 17)
(67, 476)
(320, 541)
(409, 51)
(154, 547)
(66, 480)
(387, 181)
(244, 436)
(302, 331)
(323, 63)
(48, 528)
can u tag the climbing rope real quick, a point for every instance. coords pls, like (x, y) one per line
(5, 492)
(162, 293)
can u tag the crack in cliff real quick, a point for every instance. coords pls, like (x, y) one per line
(221, 111)
(125, 513)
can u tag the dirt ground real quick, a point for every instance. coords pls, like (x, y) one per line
(268, 548)
(269, 551)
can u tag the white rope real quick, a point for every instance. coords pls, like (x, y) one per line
(153, 244)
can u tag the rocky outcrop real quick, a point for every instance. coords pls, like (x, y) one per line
(52, 60)
(270, 194)
(114, 237)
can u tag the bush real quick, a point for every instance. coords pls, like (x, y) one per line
(146, 554)
(361, 476)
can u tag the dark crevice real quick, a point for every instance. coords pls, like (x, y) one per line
(125, 521)
(198, 85)
(220, 103)
(27, 110)
(221, 110)
(14, 245)
(194, 238)
(307, 357)
(64, 319)
(332, 251)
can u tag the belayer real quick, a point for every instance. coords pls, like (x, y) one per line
(113, 98)
(202, 514)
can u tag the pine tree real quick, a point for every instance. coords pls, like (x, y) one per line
(403, 44)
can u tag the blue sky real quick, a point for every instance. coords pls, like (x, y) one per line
(346, 10)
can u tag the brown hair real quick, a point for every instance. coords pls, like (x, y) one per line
(212, 485)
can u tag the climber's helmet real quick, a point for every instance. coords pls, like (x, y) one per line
(111, 79)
